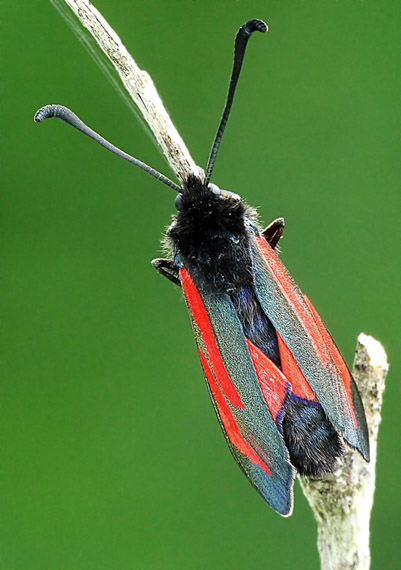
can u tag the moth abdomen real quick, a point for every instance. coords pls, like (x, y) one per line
(312, 442)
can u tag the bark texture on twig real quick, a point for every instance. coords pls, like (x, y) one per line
(342, 502)
(140, 87)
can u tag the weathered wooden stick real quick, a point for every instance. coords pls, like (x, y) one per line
(342, 502)
(141, 88)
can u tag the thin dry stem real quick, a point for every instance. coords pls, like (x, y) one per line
(342, 502)
(140, 87)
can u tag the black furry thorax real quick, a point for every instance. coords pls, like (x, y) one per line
(210, 236)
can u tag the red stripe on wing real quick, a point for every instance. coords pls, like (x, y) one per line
(299, 385)
(336, 356)
(230, 425)
(202, 320)
(272, 381)
(294, 296)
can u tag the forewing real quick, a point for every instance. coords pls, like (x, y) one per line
(249, 428)
(304, 338)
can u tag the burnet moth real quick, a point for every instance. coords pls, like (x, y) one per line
(284, 397)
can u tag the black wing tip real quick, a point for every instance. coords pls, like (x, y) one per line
(361, 446)
(363, 442)
(282, 503)
(365, 454)
(287, 511)
(280, 500)
(357, 438)
(279, 495)
(362, 432)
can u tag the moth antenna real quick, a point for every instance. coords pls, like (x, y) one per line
(61, 112)
(241, 40)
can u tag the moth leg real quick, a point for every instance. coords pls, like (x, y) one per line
(273, 232)
(167, 268)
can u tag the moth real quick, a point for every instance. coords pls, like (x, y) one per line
(283, 395)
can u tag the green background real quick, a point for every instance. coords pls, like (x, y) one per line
(112, 458)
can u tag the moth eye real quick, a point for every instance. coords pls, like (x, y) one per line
(178, 202)
(224, 194)
(214, 189)
(230, 196)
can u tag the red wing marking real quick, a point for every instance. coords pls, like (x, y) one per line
(230, 425)
(295, 298)
(336, 356)
(272, 381)
(326, 349)
(291, 370)
(202, 320)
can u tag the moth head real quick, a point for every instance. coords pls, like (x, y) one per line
(223, 195)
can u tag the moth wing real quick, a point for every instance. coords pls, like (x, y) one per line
(302, 333)
(234, 387)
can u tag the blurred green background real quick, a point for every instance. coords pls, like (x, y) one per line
(112, 458)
